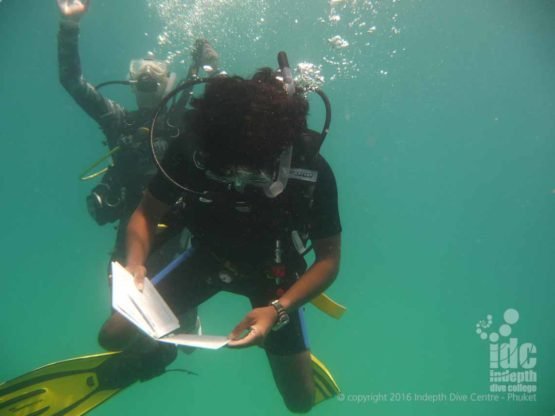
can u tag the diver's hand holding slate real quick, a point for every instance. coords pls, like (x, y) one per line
(148, 311)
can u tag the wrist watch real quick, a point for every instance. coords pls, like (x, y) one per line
(282, 315)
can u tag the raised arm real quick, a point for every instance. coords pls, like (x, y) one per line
(102, 110)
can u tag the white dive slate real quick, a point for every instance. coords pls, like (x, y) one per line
(148, 311)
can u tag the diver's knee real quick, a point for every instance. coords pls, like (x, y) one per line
(109, 340)
(299, 404)
(299, 401)
(115, 334)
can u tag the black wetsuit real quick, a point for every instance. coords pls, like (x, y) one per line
(132, 165)
(235, 245)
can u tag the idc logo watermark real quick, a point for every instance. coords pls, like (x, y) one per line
(512, 363)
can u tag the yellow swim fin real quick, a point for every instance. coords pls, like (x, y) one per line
(325, 385)
(70, 388)
(329, 306)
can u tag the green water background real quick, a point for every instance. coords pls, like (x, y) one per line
(443, 151)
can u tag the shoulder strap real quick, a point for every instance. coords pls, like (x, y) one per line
(307, 147)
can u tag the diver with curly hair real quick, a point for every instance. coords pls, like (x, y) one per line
(253, 189)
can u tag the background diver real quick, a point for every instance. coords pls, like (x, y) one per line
(117, 195)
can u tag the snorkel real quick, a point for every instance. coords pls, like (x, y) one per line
(288, 82)
(282, 175)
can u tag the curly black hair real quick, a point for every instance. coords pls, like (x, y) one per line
(247, 122)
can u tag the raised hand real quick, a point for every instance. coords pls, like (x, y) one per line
(73, 9)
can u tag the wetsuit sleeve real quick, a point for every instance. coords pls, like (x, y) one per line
(104, 111)
(324, 215)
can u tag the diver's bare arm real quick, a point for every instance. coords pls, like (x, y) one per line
(141, 229)
(319, 276)
(313, 282)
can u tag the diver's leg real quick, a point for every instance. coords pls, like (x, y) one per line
(117, 333)
(289, 356)
(293, 376)
(287, 350)
(145, 357)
